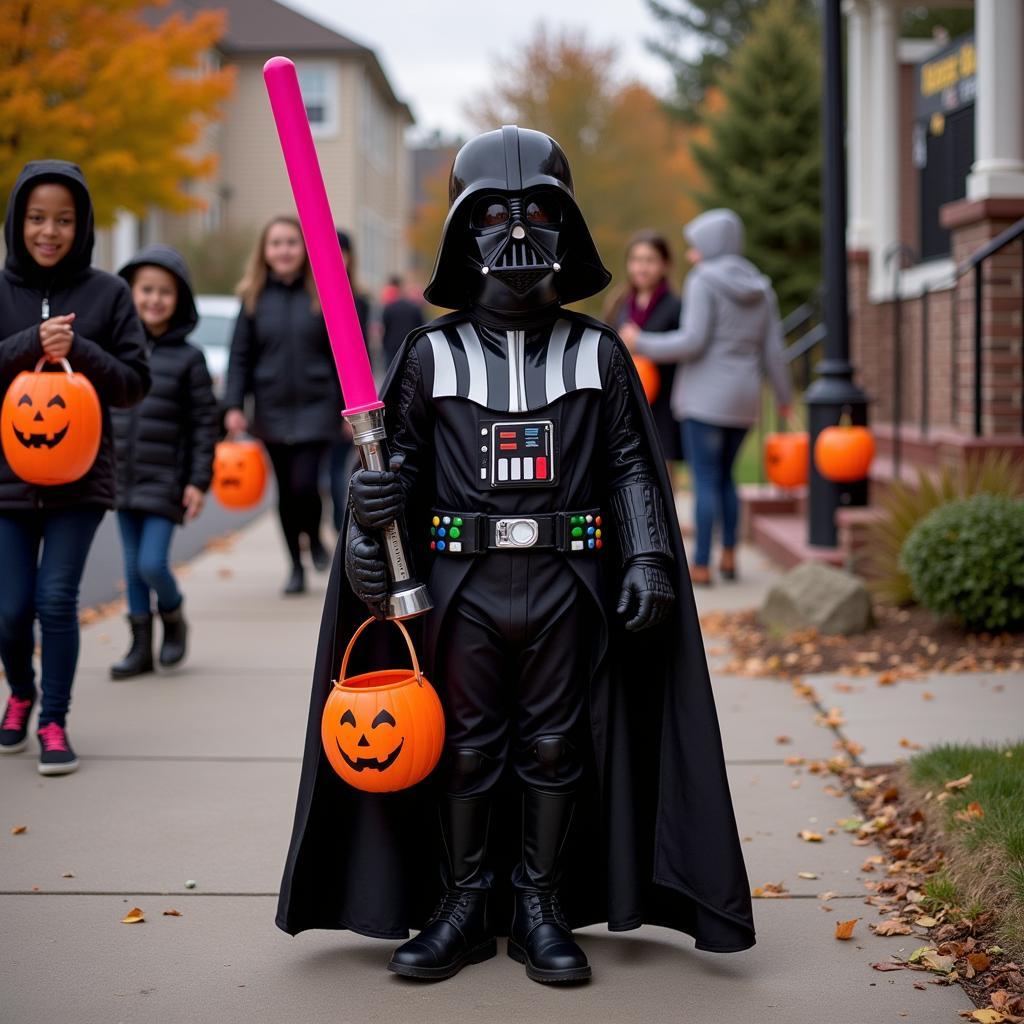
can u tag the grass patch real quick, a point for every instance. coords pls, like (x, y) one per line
(984, 824)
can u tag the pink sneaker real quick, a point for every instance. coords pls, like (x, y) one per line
(55, 754)
(14, 728)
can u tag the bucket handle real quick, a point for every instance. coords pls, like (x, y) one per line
(355, 636)
(63, 362)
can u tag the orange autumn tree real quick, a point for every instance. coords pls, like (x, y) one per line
(631, 162)
(119, 91)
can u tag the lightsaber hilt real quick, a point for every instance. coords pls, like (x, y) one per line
(407, 597)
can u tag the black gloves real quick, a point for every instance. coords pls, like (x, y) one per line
(647, 593)
(377, 496)
(365, 569)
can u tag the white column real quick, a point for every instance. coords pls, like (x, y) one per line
(125, 237)
(998, 121)
(858, 110)
(883, 146)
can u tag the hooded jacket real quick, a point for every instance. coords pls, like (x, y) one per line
(729, 335)
(280, 354)
(166, 441)
(108, 344)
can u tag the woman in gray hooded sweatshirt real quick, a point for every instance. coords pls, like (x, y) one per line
(729, 337)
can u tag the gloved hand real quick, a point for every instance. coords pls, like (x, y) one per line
(647, 593)
(377, 496)
(366, 571)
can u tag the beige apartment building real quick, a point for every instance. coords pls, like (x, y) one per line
(358, 124)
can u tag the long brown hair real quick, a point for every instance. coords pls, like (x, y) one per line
(616, 301)
(254, 278)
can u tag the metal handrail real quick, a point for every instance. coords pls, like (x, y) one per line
(1001, 241)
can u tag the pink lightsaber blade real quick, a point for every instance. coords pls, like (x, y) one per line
(364, 410)
(321, 237)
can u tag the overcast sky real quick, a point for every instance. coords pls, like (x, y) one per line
(439, 53)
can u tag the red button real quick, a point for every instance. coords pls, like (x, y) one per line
(597, 520)
(541, 467)
(599, 543)
(433, 546)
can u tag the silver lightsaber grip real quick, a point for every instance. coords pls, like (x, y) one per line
(408, 597)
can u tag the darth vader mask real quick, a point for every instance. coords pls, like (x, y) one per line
(515, 240)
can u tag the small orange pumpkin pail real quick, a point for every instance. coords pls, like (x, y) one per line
(650, 376)
(50, 425)
(239, 474)
(383, 731)
(786, 457)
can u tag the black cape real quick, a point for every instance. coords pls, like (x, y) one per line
(654, 838)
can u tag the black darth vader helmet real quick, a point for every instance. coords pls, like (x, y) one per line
(514, 239)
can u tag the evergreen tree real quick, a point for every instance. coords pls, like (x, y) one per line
(700, 35)
(763, 154)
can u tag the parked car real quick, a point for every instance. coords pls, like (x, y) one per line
(217, 316)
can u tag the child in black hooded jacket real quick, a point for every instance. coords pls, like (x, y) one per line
(54, 305)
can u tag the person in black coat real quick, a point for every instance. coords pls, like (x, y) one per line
(281, 356)
(164, 454)
(647, 299)
(53, 306)
(399, 318)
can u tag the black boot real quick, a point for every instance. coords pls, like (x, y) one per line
(296, 581)
(457, 933)
(172, 650)
(541, 938)
(139, 659)
(320, 555)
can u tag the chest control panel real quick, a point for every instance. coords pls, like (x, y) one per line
(517, 453)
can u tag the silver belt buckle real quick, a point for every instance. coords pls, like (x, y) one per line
(516, 533)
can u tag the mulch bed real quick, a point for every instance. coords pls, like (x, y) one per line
(949, 947)
(905, 643)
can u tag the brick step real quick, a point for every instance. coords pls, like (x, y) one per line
(766, 500)
(783, 538)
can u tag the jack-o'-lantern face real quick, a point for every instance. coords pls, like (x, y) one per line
(377, 753)
(50, 426)
(239, 474)
(40, 428)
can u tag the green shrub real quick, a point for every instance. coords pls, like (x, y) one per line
(905, 505)
(965, 560)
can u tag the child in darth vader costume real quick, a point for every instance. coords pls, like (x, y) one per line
(583, 779)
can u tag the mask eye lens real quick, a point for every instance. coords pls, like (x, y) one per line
(540, 212)
(489, 213)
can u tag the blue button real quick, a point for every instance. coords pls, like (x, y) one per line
(440, 545)
(441, 532)
(590, 543)
(590, 531)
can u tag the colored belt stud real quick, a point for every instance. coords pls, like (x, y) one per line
(585, 532)
(445, 532)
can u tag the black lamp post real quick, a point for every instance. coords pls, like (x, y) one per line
(833, 392)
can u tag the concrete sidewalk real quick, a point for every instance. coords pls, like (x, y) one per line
(192, 776)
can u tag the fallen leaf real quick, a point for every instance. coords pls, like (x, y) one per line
(888, 678)
(979, 961)
(833, 719)
(806, 874)
(988, 1016)
(844, 929)
(794, 759)
(915, 957)
(771, 890)
(960, 783)
(850, 824)
(971, 812)
(894, 926)
(926, 922)
(225, 573)
(828, 895)
(172, 913)
(938, 963)
(810, 837)
(782, 740)
(68, 874)
(927, 695)
(19, 830)
(889, 965)
(909, 744)
(134, 916)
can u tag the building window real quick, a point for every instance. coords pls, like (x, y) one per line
(318, 82)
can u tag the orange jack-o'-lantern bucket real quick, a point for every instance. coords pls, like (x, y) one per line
(383, 731)
(50, 425)
(239, 474)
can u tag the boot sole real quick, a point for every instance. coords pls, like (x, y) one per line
(14, 748)
(171, 664)
(546, 977)
(132, 675)
(59, 769)
(476, 955)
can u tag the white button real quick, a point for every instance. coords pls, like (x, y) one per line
(516, 468)
(502, 469)
(528, 467)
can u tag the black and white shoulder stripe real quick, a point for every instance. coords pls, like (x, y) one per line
(517, 370)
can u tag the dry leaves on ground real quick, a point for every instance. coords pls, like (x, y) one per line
(771, 891)
(844, 929)
(19, 830)
(134, 916)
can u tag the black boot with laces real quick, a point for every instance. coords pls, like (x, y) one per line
(458, 932)
(541, 938)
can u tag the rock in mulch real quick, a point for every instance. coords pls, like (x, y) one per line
(814, 595)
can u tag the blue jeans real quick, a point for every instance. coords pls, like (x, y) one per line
(146, 539)
(45, 587)
(711, 451)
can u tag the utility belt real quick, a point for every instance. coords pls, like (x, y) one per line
(472, 533)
